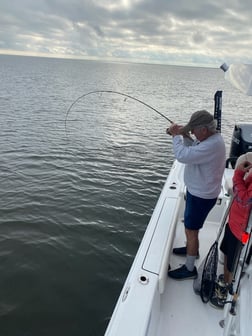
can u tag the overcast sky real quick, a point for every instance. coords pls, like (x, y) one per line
(155, 31)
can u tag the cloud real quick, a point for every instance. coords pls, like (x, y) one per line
(160, 31)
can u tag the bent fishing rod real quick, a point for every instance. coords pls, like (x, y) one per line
(114, 92)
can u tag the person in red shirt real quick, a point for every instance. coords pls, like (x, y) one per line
(232, 242)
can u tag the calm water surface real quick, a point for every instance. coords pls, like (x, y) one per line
(77, 194)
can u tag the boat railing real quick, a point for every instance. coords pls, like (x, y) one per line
(162, 279)
(163, 223)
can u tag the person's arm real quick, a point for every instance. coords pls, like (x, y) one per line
(196, 153)
(175, 130)
(242, 189)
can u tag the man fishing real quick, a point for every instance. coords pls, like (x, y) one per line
(204, 160)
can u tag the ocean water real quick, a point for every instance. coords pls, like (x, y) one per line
(80, 175)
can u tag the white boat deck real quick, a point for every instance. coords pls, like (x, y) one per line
(151, 303)
(182, 311)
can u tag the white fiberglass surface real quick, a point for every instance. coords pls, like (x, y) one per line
(182, 311)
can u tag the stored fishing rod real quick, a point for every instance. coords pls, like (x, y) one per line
(247, 238)
(115, 92)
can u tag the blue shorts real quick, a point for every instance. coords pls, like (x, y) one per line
(196, 211)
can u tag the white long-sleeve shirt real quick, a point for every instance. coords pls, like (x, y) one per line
(204, 164)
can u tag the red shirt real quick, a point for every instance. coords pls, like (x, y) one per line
(242, 203)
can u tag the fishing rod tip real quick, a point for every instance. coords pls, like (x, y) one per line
(224, 67)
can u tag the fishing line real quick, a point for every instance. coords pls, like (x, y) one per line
(114, 92)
